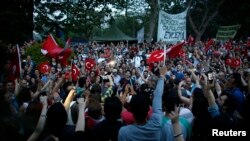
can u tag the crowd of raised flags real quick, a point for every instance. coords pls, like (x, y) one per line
(164, 51)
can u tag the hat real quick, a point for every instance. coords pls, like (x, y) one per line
(114, 70)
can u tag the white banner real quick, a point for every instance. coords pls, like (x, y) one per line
(171, 27)
(140, 35)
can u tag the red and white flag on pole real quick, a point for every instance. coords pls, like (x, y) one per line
(50, 47)
(75, 72)
(156, 56)
(208, 44)
(15, 64)
(174, 51)
(89, 63)
(64, 55)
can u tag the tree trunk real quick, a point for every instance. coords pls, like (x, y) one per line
(152, 25)
(154, 13)
(198, 36)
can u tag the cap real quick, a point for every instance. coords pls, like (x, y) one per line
(114, 70)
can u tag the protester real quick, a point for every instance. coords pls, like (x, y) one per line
(128, 73)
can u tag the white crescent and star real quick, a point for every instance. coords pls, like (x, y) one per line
(74, 71)
(46, 67)
(44, 51)
(158, 56)
(89, 65)
(237, 62)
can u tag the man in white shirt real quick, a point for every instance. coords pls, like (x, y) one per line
(116, 77)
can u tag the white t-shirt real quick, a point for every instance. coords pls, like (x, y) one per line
(137, 61)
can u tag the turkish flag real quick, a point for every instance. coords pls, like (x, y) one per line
(50, 47)
(182, 53)
(89, 63)
(64, 55)
(44, 67)
(208, 44)
(228, 45)
(174, 51)
(75, 72)
(228, 61)
(190, 40)
(236, 63)
(15, 65)
(156, 56)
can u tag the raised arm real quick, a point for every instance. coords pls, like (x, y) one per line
(110, 80)
(41, 122)
(213, 107)
(208, 92)
(174, 116)
(183, 98)
(157, 101)
(194, 76)
(80, 125)
(217, 87)
(40, 88)
(17, 87)
(58, 85)
(69, 98)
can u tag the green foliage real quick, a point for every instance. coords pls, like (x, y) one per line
(80, 18)
(35, 51)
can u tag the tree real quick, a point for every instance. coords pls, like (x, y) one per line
(81, 16)
(200, 15)
(154, 11)
(236, 12)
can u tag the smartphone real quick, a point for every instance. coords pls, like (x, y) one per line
(210, 76)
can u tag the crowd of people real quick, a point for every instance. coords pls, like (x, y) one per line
(122, 97)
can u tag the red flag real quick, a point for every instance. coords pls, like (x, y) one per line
(174, 51)
(75, 72)
(228, 61)
(182, 53)
(89, 63)
(50, 47)
(64, 55)
(15, 65)
(236, 63)
(156, 56)
(190, 40)
(208, 44)
(44, 67)
(228, 45)
(67, 76)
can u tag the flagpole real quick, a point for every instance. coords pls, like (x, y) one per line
(19, 60)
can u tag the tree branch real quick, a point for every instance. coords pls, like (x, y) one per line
(204, 19)
(192, 24)
(214, 14)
